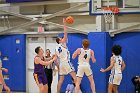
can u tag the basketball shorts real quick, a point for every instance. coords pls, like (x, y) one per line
(40, 78)
(65, 68)
(84, 68)
(115, 79)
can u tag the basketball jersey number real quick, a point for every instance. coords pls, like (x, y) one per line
(119, 62)
(85, 56)
(59, 49)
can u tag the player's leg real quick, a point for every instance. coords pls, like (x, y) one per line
(1, 87)
(116, 81)
(61, 79)
(92, 84)
(71, 71)
(110, 87)
(39, 82)
(80, 74)
(78, 82)
(46, 88)
(73, 75)
(41, 88)
(115, 88)
(110, 84)
(89, 74)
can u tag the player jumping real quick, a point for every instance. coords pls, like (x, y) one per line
(62, 53)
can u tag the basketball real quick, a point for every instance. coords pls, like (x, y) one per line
(69, 20)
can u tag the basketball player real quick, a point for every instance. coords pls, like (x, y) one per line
(2, 82)
(62, 52)
(39, 73)
(85, 54)
(117, 65)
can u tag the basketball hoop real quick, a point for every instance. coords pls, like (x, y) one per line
(108, 12)
(40, 28)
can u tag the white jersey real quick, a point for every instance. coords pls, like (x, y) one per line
(63, 53)
(84, 56)
(117, 65)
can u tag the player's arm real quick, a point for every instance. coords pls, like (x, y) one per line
(123, 65)
(46, 63)
(3, 83)
(110, 67)
(1, 79)
(77, 52)
(64, 40)
(56, 62)
(93, 57)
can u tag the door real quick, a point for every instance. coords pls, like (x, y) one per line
(32, 43)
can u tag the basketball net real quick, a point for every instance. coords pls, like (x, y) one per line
(108, 13)
(40, 28)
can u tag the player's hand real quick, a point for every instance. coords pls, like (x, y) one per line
(53, 56)
(102, 70)
(5, 70)
(64, 21)
(7, 89)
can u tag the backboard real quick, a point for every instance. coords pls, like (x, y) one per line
(125, 6)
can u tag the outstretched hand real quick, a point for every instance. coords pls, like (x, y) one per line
(64, 21)
(102, 70)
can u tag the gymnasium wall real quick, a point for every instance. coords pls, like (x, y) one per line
(101, 43)
(13, 58)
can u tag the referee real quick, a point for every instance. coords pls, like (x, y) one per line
(49, 70)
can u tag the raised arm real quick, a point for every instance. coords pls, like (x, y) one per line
(77, 52)
(93, 57)
(64, 40)
(123, 65)
(110, 67)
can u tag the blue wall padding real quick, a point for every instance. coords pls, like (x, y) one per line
(109, 44)
(130, 43)
(17, 60)
(98, 44)
(74, 42)
(102, 43)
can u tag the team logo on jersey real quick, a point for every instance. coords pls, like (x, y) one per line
(59, 49)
